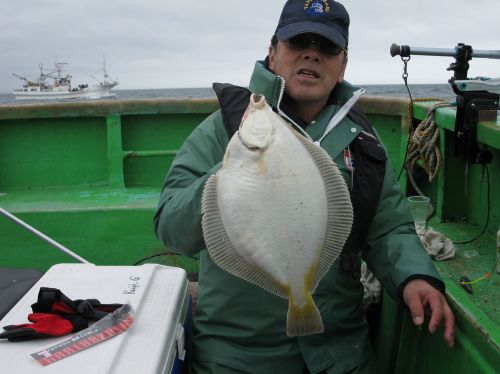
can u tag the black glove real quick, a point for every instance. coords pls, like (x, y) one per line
(52, 300)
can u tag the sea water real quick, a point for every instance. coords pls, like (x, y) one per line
(442, 91)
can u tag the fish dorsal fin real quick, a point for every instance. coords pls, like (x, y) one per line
(220, 247)
(340, 213)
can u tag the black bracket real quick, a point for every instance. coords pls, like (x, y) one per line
(469, 104)
(463, 54)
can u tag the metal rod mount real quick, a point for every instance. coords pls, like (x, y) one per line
(405, 51)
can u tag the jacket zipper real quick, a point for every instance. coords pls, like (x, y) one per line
(339, 116)
(282, 114)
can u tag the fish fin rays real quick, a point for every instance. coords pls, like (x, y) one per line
(303, 320)
(340, 213)
(220, 247)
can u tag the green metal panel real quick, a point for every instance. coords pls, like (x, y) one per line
(391, 117)
(76, 171)
(389, 128)
(155, 132)
(57, 152)
(146, 170)
(104, 226)
(476, 348)
(114, 147)
(150, 144)
(103, 237)
(385, 333)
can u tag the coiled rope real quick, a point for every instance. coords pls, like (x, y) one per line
(422, 145)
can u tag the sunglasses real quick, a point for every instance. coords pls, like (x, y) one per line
(306, 41)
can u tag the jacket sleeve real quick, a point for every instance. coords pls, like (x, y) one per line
(394, 252)
(177, 220)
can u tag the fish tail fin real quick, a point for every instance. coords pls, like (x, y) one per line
(303, 320)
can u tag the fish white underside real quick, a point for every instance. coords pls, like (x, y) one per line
(279, 216)
(274, 211)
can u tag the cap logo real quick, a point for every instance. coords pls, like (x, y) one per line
(316, 7)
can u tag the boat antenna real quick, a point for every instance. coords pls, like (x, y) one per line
(43, 236)
(105, 72)
(106, 76)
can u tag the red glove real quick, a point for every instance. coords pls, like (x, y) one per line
(44, 325)
(55, 314)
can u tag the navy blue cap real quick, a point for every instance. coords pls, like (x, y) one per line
(324, 17)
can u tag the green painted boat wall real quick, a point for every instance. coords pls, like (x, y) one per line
(461, 195)
(88, 175)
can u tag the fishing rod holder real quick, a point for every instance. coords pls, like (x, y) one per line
(472, 95)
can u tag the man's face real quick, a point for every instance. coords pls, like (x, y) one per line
(310, 74)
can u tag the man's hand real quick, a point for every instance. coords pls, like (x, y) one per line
(419, 294)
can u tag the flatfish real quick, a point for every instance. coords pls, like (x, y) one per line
(278, 212)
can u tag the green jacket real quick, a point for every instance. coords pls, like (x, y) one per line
(242, 326)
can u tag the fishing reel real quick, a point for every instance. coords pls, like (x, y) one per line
(472, 95)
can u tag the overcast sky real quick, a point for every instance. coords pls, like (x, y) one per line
(172, 44)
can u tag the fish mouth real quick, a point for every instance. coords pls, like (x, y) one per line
(308, 73)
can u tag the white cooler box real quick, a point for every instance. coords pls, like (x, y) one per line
(154, 343)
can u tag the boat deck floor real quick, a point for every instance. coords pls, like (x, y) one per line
(484, 302)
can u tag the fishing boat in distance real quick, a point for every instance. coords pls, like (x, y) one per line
(56, 84)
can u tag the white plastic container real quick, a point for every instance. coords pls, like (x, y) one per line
(159, 299)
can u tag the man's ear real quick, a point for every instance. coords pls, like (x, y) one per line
(342, 72)
(272, 53)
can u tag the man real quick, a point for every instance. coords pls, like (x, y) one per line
(240, 328)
